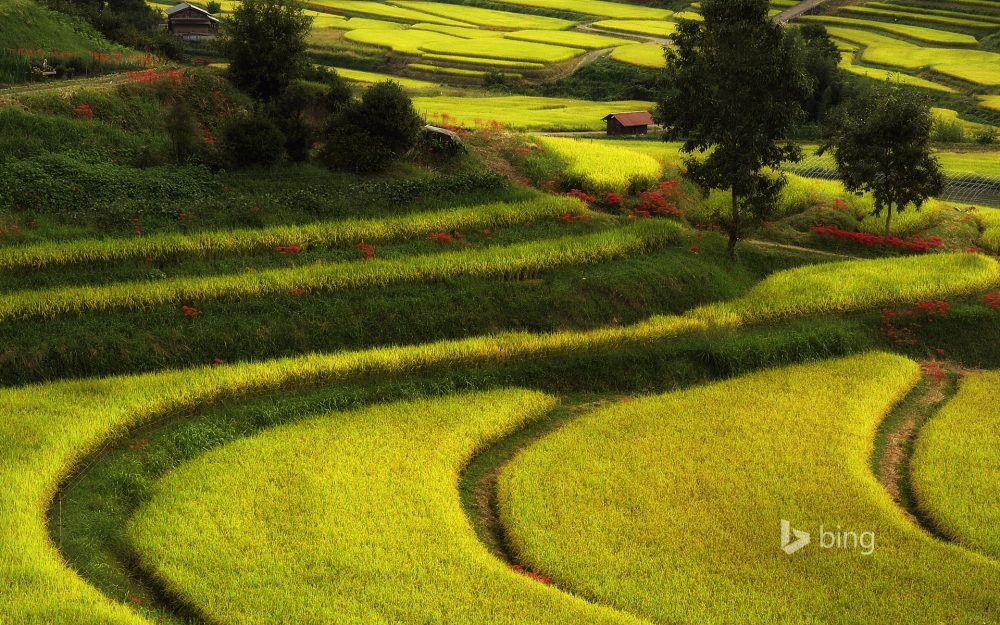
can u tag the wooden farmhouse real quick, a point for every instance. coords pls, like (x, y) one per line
(635, 123)
(190, 23)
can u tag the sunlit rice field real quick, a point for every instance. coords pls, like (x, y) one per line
(380, 9)
(917, 33)
(641, 27)
(468, 60)
(504, 49)
(485, 17)
(410, 41)
(641, 54)
(847, 63)
(596, 7)
(571, 39)
(605, 167)
(525, 112)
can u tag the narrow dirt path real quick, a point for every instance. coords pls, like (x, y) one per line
(633, 36)
(792, 12)
(801, 249)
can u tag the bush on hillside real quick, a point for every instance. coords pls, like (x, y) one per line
(251, 139)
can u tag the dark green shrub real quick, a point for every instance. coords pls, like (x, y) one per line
(249, 140)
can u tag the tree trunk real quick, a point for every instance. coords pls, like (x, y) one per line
(735, 229)
(888, 220)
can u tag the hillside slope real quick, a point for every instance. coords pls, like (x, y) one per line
(27, 25)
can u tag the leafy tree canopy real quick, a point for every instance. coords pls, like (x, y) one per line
(265, 41)
(734, 86)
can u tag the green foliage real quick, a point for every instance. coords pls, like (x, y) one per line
(182, 128)
(249, 139)
(265, 41)
(881, 144)
(213, 7)
(821, 60)
(735, 82)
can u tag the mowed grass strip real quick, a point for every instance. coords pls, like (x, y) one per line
(526, 112)
(517, 261)
(857, 285)
(485, 17)
(917, 33)
(669, 507)
(956, 466)
(504, 49)
(605, 167)
(572, 39)
(379, 533)
(639, 27)
(344, 233)
(641, 54)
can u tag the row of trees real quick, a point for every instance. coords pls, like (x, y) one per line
(738, 83)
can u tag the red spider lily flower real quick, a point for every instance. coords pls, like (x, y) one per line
(149, 259)
(694, 248)
(84, 110)
(589, 199)
(218, 361)
(566, 218)
(139, 444)
(190, 312)
(297, 292)
(440, 237)
(486, 231)
(611, 200)
(288, 249)
(992, 300)
(367, 251)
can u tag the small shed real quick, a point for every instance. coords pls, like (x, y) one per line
(635, 123)
(189, 22)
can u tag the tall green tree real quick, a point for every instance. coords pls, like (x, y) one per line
(821, 59)
(265, 41)
(880, 140)
(734, 86)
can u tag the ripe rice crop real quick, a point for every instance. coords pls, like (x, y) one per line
(691, 15)
(857, 285)
(934, 20)
(670, 507)
(641, 54)
(847, 63)
(469, 32)
(342, 233)
(991, 102)
(642, 27)
(572, 39)
(453, 71)
(951, 116)
(604, 167)
(384, 481)
(525, 112)
(597, 7)
(989, 219)
(513, 262)
(504, 49)
(410, 41)
(487, 62)
(359, 23)
(905, 223)
(379, 9)
(917, 33)
(902, 9)
(355, 75)
(956, 466)
(486, 17)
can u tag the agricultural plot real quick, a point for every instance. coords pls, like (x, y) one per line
(485, 17)
(403, 460)
(638, 27)
(669, 507)
(965, 433)
(597, 7)
(990, 224)
(901, 9)
(390, 11)
(604, 167)
(452, 71)
(524, 112)
(410, 41)
(355, 75)
(917, 33)
(469, 32)
(359, 23)
(571, 39)
(641, 54)
(922, 18)
(494, 63)
(503, 49)
(847, 63)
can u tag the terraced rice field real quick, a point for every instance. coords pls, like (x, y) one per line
(355, 75)
(847, 63)
(668, 507)
(384, 10)
(410, 41)
(639, 27)
(604, 167)
(929, 20)
(966, 434)
(503, 49)
(587, 41)
(641, 54)
(597, 7)
(917, 33)
(485, 17)
(524, 112)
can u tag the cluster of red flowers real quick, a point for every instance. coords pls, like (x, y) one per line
(580, 195)
(190, 312)
(568, 217)
(84, 110)
(612, 200)
(151, 75)
(900, 325)
(931, 308)
(535, 576)
(654, 202)
(217, 361)
(671, 189)
(185, 216)
(367, 251)
(133, 598)
(288, 249)
(137, 226)
(207, 135)
(443, 237)
(933, 370)
(297, 292)
(992, 300)
(694, 248)
(139, 444)
(915, 243)
(11, 228)
(839, 205)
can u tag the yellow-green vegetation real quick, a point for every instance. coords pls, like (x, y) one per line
(909, 221)
(901, 10)
(512, 262)
(487, 62)
(669, 507)
(688, 15)
(571, 39)
(668, 152)
(937, 20)
(379, 9)
(642, 27)
(975, 66)
(917, 33)
(29, 25)
(358, 23)
(526, 112)
(325, 20)
(950, 116)
(380, 536)
(504, 49)
(972, 162)
(955, 469)
(344, 233)
(989, 219)
(641, 54)
(857, 285)
(470, 32)
(597, 7)
(485, 17)
(452, 71)
(604, 166)
(847, 63)
(409, 41)
(355, 75)
(991, 102)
